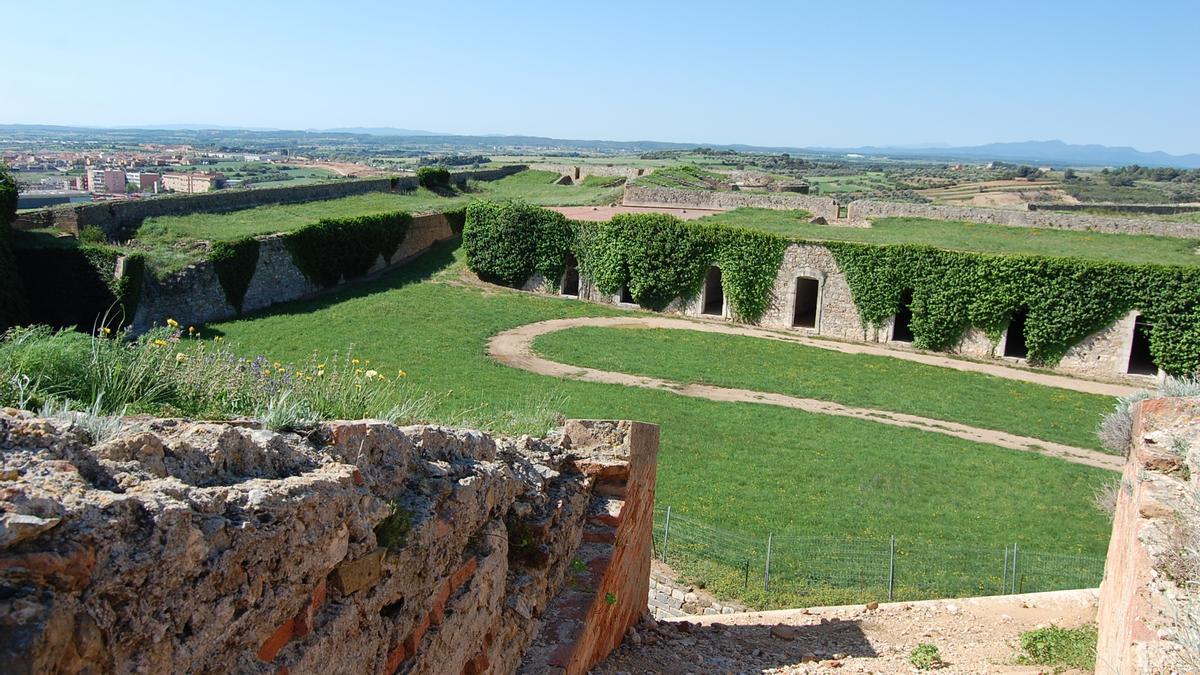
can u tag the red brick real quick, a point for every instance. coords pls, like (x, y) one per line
(463, 573)
(414, 638)
(478, 665)
(358, 478)
(600, 536)
(395, 658)
(306, 615)
(438, 611)
(278, 639)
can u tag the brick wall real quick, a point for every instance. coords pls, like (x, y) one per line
(1149, 616)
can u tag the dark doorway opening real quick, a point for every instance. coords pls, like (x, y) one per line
(1141, 362)
(804, 313)
(714, 295)
(843, 212)
(902, 326)
(570, 279)
(626, 297)
(1014, 340)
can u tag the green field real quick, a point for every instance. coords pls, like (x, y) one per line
(964, 236)
(867, 181)
(753, 468)
(173, 241)
(879, 382)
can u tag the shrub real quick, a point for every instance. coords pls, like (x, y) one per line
(92, 235)
(508, 242)
(433, 177)
(1054, 646)
(169, 371)
(331, 250)
(925, 657)
(234, 262)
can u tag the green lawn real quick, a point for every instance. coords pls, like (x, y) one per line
(171, 242)
(862, 380)
(752, 468)
(964, 236)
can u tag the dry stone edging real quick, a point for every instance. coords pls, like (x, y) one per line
(515, 348)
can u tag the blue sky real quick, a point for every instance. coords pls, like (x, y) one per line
(765, 73)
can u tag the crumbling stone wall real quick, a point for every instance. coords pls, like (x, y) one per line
(194, 294)
(361, 547)
(1149, 616)
(868, 209)
(638, 195)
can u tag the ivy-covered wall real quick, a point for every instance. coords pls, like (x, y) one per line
(336, 249)
(662, 258)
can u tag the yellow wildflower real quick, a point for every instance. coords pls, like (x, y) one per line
(160, 343)
(172, 323)
(354, 361)
(191, 329)
(105, 330)
(180, 357)
(358, 371)
(401, 374)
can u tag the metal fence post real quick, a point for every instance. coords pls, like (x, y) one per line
(1014, 585)
(767, 572)
(1004, 574)
(892, 569)
(666, 533)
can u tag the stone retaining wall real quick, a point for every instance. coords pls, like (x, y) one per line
(1155, 209)
(363, 547)
(1149, 617)
(580, 171)
(118, 219)
(1103, 355)
(638, 195)
(194, 295)
(868, 209)
(670, 599)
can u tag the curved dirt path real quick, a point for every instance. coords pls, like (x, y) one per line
(515, 348)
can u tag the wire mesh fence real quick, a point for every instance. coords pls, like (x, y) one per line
(789, 570)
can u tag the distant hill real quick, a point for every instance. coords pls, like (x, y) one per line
(378, 131)
(1054, 153)
(1035, 152)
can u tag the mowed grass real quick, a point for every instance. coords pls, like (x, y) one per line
(861, 380)
(171, 242)
(979, 237)
(754, 468)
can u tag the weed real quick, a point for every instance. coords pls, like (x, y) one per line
(925, 657)
(1064, 647)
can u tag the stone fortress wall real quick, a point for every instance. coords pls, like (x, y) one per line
(577, 172)
(119, 218)
(1149, 616)
(1104, 355)
(363, 547)
(867, 209)
(194, 295)
(639, 195)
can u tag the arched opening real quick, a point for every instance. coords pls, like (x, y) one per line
(570, 278)
(902, 325)
(804, 312)
(1014, 339)
(714, 295)
(1141, 361)
(626, 296)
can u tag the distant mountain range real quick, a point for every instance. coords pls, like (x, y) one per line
(1035, 152)
(1054, 153)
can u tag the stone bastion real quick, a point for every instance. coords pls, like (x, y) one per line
(359, 547)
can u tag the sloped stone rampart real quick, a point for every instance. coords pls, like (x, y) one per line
(1149, 617)
(361, 547)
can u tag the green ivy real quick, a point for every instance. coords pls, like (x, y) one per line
(510, 241)
(335, 249)
(234, 262)
(659, 256)
(1067, 298)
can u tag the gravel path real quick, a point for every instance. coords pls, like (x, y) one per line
(973, 635)
(515, 348)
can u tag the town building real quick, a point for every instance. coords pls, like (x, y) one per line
(105, 180)
(192, 183)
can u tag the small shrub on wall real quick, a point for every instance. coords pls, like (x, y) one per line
(433, 177)
(334, 249)
(234, 262)
(508, 242)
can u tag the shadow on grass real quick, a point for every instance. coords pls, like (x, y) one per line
(424, 267)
